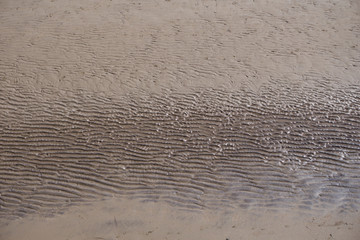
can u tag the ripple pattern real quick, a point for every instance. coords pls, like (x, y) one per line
(204, 149)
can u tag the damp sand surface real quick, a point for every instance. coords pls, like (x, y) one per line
(131, 219)
(127, 46)
(179, 119)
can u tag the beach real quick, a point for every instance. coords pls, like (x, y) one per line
(179, 119)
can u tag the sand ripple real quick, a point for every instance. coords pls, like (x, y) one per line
(203, 149)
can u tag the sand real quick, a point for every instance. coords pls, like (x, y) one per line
(130, 219)
(127, 46)
(179, 119)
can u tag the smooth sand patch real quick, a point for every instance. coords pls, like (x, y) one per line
(131, 219)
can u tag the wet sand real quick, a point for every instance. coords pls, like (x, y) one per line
(208, 149)
(131, 219)
(179, 120)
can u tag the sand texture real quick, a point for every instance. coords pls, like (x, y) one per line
(179, 119)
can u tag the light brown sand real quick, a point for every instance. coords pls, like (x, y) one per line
(239, 119)
(130, 219)
(124, 46)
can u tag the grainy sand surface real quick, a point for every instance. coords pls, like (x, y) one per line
(179, 119)
(130, 219)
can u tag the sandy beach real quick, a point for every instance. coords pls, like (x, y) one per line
(184, 119)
